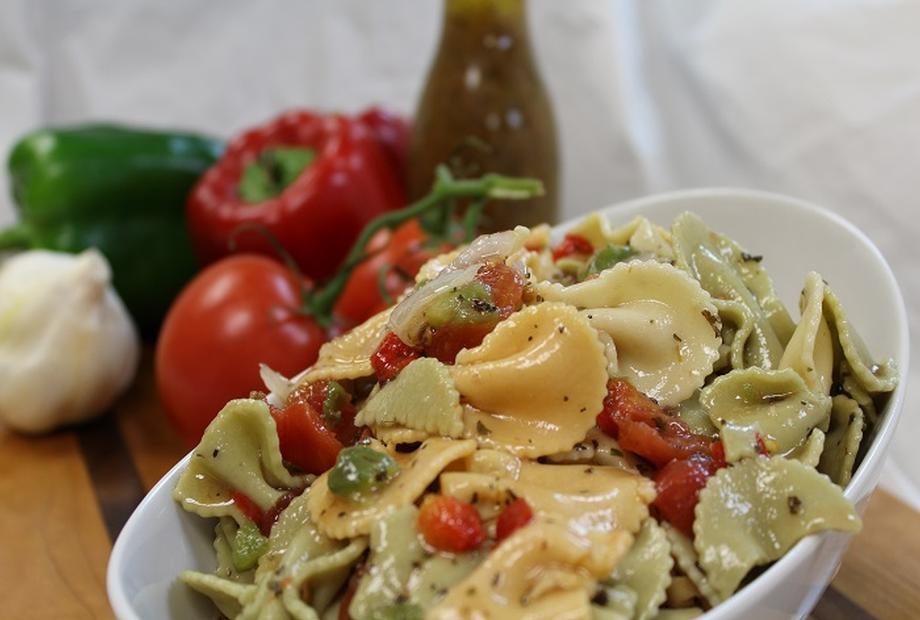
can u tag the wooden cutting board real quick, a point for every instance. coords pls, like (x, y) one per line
(66, 497)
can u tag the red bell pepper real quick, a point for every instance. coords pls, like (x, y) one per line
(312, 182)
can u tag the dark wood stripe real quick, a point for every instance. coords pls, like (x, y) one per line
(115, 479)
(834, 605)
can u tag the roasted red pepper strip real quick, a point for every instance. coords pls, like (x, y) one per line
(311, 181)
(642, 428)
(573, 244)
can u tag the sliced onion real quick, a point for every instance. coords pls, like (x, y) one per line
(408, 317)
(497, 246)
(279, 387)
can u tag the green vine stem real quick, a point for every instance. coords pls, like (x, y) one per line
(446, 188)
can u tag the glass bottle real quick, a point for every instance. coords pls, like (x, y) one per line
(484, 109)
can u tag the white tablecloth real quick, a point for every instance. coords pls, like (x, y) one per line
(811, 98)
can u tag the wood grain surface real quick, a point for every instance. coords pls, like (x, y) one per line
(66, 496)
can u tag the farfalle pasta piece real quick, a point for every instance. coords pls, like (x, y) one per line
(810, 351)
(349, 356)
(659, 320)
(695, 416)
(395, 551)
(225, 593)
(728, 273)
(434, 578)
(872, 376)
(619, 604)
(753, 512)
(853, 388)
(687, 613)
(589, 500)
(809, 453)
(238, 452)
(687, 560)
(736, 324)
(597, 448)
(542, 570)
(338, 517)
(646, 569)
(536, 383)
(756, 406)
(422, 397)
(843, 439)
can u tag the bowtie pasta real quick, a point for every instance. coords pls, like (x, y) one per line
(620, 425)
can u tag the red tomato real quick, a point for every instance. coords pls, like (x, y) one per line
(445, 342)
(516, 515)
(305, 441)
(392, 133)
(399, 254)
(641, 426)
(343, 427)
(449, 524)
(505, 285)
(391, 356)
(573, 244)
(678, 484)
(238, 312)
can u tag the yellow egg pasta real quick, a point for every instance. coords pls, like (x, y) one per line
(659, 321)
(536, 383)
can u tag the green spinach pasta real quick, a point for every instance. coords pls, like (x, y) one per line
(621, 426)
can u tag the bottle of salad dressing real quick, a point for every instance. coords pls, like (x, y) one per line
(484, 109)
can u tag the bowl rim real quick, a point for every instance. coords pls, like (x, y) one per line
(860, 486)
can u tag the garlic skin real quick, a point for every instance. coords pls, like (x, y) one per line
(68, 347)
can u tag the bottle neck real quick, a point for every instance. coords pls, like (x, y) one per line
(496, 25)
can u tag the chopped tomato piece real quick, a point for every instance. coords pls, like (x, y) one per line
(573, 244)
(391, 356)
(340, 420)
(516, 515)
(248, 507)
(642, 427)
(445, 342)
(718, 454)
(505, 285)
(449, 524)
(678, 484)
(305, 441)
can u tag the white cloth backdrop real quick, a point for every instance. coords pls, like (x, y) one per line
(807, 97)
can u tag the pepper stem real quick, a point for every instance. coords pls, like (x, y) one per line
(16, 237)
(446, 188)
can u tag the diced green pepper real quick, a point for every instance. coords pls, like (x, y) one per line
(247, 546)
(470, 303)
(336, 398)
(359, 471)
(607, 257)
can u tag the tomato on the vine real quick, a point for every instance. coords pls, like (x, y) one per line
(239, 312)
(394, 259)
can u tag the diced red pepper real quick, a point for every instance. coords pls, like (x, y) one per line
(678, 484)
(505, 285)
(516, 515)
(305, 441)
(449, 524)
(391, 356)
(571, 245)
(344, 427)
(643, 428)
(248, 507)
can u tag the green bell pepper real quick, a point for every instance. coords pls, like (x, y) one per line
(119, 189)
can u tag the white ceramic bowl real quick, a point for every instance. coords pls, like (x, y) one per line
(160, 539)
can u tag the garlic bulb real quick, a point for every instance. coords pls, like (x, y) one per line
(67, 345)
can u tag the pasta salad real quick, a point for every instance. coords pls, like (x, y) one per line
(626, 424)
